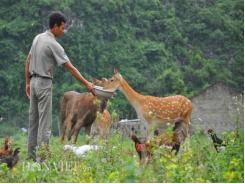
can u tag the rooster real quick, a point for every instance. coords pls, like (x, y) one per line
(172, 139)
(11, 160)
(218, 143)
(7, 149)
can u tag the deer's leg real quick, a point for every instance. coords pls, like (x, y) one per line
(187, 121)
(66, 127)
(75, 135)
(103, 132)
(71, 133)
(88, 129)
(79, 124)
(94, 129)
(180, 131)
(72, 129)
(62, 133)
(76, 130)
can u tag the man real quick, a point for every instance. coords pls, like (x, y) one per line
(45, 54)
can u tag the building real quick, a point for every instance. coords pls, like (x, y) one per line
(218, 107)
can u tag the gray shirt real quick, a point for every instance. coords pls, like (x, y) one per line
(46, 53)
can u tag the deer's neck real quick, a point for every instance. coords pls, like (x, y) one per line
(133, 97)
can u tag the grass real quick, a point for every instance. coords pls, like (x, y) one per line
(117, 161)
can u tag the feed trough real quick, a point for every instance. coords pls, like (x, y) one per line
(99, 91)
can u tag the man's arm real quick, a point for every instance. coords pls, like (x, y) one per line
(69, 66)
(27, 75)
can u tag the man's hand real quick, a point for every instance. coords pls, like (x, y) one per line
(28, 90)
(90, 88)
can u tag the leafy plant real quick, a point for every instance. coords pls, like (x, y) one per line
(117, 161)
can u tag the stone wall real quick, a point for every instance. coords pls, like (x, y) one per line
(126, 127)
(218, 108)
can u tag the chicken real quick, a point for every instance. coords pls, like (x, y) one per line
(11, 160)
(7, 149)
(218, 143)
(172, 139)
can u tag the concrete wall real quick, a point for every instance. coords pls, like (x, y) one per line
(126, 127)
(217, 108)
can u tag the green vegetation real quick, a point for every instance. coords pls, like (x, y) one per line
(160, 47)
(117, 161)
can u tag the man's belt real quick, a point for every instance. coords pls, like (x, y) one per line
(37, 75)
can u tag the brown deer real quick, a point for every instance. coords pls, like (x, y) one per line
(79, 110)
(145, 147)
(153, 110)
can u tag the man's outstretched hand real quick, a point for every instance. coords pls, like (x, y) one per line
(90, 88)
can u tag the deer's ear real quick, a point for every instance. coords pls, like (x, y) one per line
(104, 79)
(116, 70)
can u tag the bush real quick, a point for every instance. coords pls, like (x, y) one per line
(117, 161)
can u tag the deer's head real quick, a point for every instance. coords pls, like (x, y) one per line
(114, 82)
(101, 82)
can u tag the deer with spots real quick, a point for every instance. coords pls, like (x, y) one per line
(102, 124)
(154, 111)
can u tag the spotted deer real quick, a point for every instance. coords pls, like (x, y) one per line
(102, 124)
(150, 109)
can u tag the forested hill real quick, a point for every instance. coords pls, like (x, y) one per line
(161, 47)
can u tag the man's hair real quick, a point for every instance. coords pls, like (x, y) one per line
(56, 18)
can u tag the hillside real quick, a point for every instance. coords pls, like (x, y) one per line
(160, 47)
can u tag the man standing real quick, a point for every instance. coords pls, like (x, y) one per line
(45, 54)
